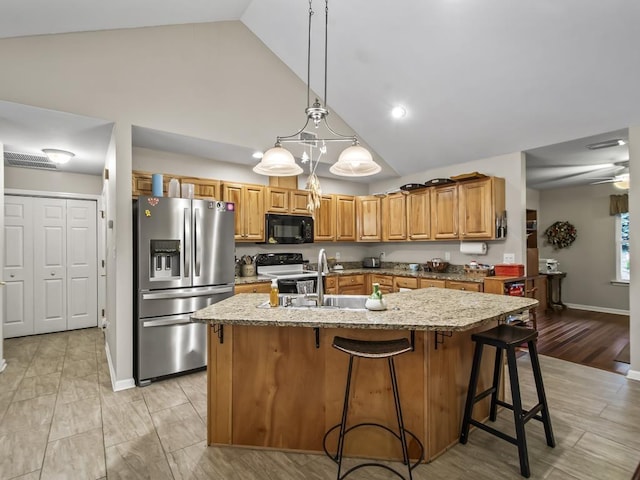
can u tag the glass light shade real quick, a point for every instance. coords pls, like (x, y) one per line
(355, 161)
(58, 156)
(278, 162)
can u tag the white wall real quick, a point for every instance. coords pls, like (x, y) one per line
(511, 168)
(590, 261)
(634, 246)
(3, 363)
(47, 181)
(533, 199)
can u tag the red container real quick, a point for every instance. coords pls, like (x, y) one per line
(509, 270)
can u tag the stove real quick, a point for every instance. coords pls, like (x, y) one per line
(289, 269)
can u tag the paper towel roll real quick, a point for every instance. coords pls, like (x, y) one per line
(156, 185)
(473, 248)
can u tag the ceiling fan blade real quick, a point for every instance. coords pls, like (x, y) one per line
(609, 180)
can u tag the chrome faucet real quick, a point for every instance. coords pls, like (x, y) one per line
(322, 264)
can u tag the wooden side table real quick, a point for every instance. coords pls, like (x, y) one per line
(554, 290)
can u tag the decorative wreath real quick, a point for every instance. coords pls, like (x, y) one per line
(561, 234)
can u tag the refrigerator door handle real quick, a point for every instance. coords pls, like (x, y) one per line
(197, 242)
(187, 242)
(197, 293)
(166, 321)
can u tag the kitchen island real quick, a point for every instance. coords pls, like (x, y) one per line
(274, 380)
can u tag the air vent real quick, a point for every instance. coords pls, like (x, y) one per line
(24, 160)
(309, 138)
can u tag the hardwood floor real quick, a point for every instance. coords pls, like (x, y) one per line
(588, 338)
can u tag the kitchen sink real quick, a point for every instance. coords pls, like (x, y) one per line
(343, 302)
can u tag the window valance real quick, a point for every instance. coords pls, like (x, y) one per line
(618, 204)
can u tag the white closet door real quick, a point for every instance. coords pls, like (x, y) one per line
(18, 266)
(50, 264)
(82, 278)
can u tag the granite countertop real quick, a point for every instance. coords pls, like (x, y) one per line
(458, 277)
(423, 309)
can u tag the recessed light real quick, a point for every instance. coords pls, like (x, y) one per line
(257, 154)
(398, 112)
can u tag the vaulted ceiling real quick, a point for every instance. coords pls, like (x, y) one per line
(477, 79)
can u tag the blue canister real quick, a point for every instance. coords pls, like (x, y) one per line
(156, 184)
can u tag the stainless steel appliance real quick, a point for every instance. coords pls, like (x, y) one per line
(184, 261)
(371, 262)
(289, 229)
(289, 269)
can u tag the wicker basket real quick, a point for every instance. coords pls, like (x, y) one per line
(477, 272)
(441, 267)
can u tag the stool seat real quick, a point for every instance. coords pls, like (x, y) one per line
(372, 348)
(504, 336)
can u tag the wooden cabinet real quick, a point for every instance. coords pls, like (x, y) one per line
(285, 200)
(536, 287)
(404, 282)
(480, 203)
(432, 282)
(467, 286)
(369, 218)
(444, 212)
(204, 188)
(394, 217)
(249, 205)
(261, 287)
(345, 218)
(351, 285)
(385, 282)
(500, 284)
(331, 285)
(325, 220)
(419, 215)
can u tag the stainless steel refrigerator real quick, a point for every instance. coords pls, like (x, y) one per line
(184, 261)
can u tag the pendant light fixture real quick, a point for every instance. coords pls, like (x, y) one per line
(354, 161)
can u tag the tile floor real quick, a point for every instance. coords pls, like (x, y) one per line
(59, 419)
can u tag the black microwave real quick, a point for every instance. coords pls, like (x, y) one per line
(285, 229)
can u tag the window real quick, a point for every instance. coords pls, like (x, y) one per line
(622, 248)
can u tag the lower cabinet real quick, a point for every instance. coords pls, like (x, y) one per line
(385, 282)
(51, 265)
(468, 286)
(351, 285)
(431, 282)
(404, 283)
(261, 287)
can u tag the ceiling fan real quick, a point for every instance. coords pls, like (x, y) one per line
(620, 179)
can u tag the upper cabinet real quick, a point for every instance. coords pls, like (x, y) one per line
(481, 206)
(419, 215)
(444, 212)
(369, 218)
(394, 217)
(285, 200)
(345, 218)
(249, 207)
(203, 188)
(325, 220)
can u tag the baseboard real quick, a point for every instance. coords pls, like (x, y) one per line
(3, 364)
(613, 311)
(119, 384)
(633, 375)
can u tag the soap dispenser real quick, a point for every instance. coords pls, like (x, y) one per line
(273, 295)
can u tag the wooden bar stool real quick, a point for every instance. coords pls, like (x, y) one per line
(508, 337)
(373, 349)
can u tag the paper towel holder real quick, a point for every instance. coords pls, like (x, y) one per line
(473, 248)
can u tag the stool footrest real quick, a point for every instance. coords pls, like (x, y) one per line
(375, 425)
(486, 393)
(527, 414)
(494, 431)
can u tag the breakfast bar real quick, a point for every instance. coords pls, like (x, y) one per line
(274, 381)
